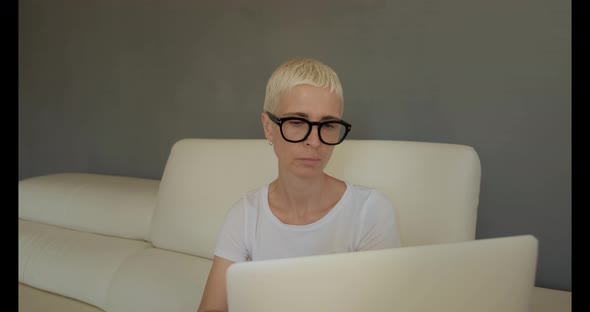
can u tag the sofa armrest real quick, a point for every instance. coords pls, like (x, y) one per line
(551, 300)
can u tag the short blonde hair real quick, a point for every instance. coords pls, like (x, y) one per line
(297, 71)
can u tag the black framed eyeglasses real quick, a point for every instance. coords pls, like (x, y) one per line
(297, 129)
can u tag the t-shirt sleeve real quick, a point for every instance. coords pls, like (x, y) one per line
(379, 228)
(231, 242)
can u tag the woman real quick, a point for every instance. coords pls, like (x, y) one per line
(304, 211)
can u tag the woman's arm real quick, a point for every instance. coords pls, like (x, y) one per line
(215, 293)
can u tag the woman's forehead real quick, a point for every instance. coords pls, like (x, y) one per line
(305, 100)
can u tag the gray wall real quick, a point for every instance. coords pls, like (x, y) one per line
(109, 86)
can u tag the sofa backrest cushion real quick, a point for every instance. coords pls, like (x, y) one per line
(203, 178)
(102, 204)
(434, 187)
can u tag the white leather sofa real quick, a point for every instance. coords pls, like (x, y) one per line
(92, 242)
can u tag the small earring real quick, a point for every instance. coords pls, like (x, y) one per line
(270, 143)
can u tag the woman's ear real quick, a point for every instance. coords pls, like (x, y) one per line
(267, 126)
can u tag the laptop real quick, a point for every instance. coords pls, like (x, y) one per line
(495, 274)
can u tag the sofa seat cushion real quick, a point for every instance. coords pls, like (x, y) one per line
(158, 280)
(74, 264)
(31, 299)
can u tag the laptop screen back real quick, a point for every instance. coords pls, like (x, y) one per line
(482, 275)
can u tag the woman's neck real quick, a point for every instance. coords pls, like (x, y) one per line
(303, 201)
(300, 194)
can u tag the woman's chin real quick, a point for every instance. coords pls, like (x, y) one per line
(308, 172)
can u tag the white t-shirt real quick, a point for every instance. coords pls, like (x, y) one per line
(363, 219)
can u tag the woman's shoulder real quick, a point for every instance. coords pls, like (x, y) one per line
(253, 198)
(256, 194)
(363, 190)
(364, 195)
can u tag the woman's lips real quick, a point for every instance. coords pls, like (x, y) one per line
(310, 161)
